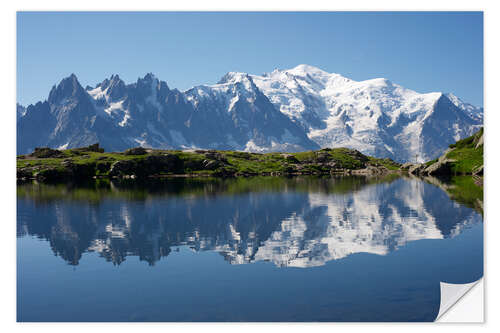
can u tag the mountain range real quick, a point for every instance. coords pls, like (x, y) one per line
(303, 108)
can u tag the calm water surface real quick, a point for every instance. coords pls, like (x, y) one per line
(256, 249)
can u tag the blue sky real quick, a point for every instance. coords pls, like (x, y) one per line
(422, 51)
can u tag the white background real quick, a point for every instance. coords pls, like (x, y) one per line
(8, 152)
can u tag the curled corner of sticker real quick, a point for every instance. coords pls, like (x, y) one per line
(451, 293)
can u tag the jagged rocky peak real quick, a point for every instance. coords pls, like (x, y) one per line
(68, 87)
(151, 82)
(149, 78)
(113, 88)
(113, 81)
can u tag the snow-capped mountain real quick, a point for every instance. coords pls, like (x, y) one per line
(299, 109)
(377, 117)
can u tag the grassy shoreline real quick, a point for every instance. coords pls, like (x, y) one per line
(47, 164)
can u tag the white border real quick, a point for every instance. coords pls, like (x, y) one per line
(7, 202)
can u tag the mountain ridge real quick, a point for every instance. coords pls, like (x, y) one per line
(303, 108)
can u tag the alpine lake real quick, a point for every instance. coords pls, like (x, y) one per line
(308, 248)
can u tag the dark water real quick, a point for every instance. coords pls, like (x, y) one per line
(257, 249)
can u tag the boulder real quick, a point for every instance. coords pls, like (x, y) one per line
(92, 148)
(441, 167)
(416, 169)
(322, 157)
(95, 147)
(214, 155)
(333, 165)
(370, 171)
(290, 158)
(45, 152)
(211, 164)
(125, 167)
(136, 151)
(67, 163)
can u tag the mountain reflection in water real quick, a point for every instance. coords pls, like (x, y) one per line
(299, 222)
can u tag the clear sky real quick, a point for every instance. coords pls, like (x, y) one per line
(422, 51)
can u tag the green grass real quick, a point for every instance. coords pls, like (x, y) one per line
(255, 163)
(341, 157)
(388, 163)
(304, 156)
(466, 159)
